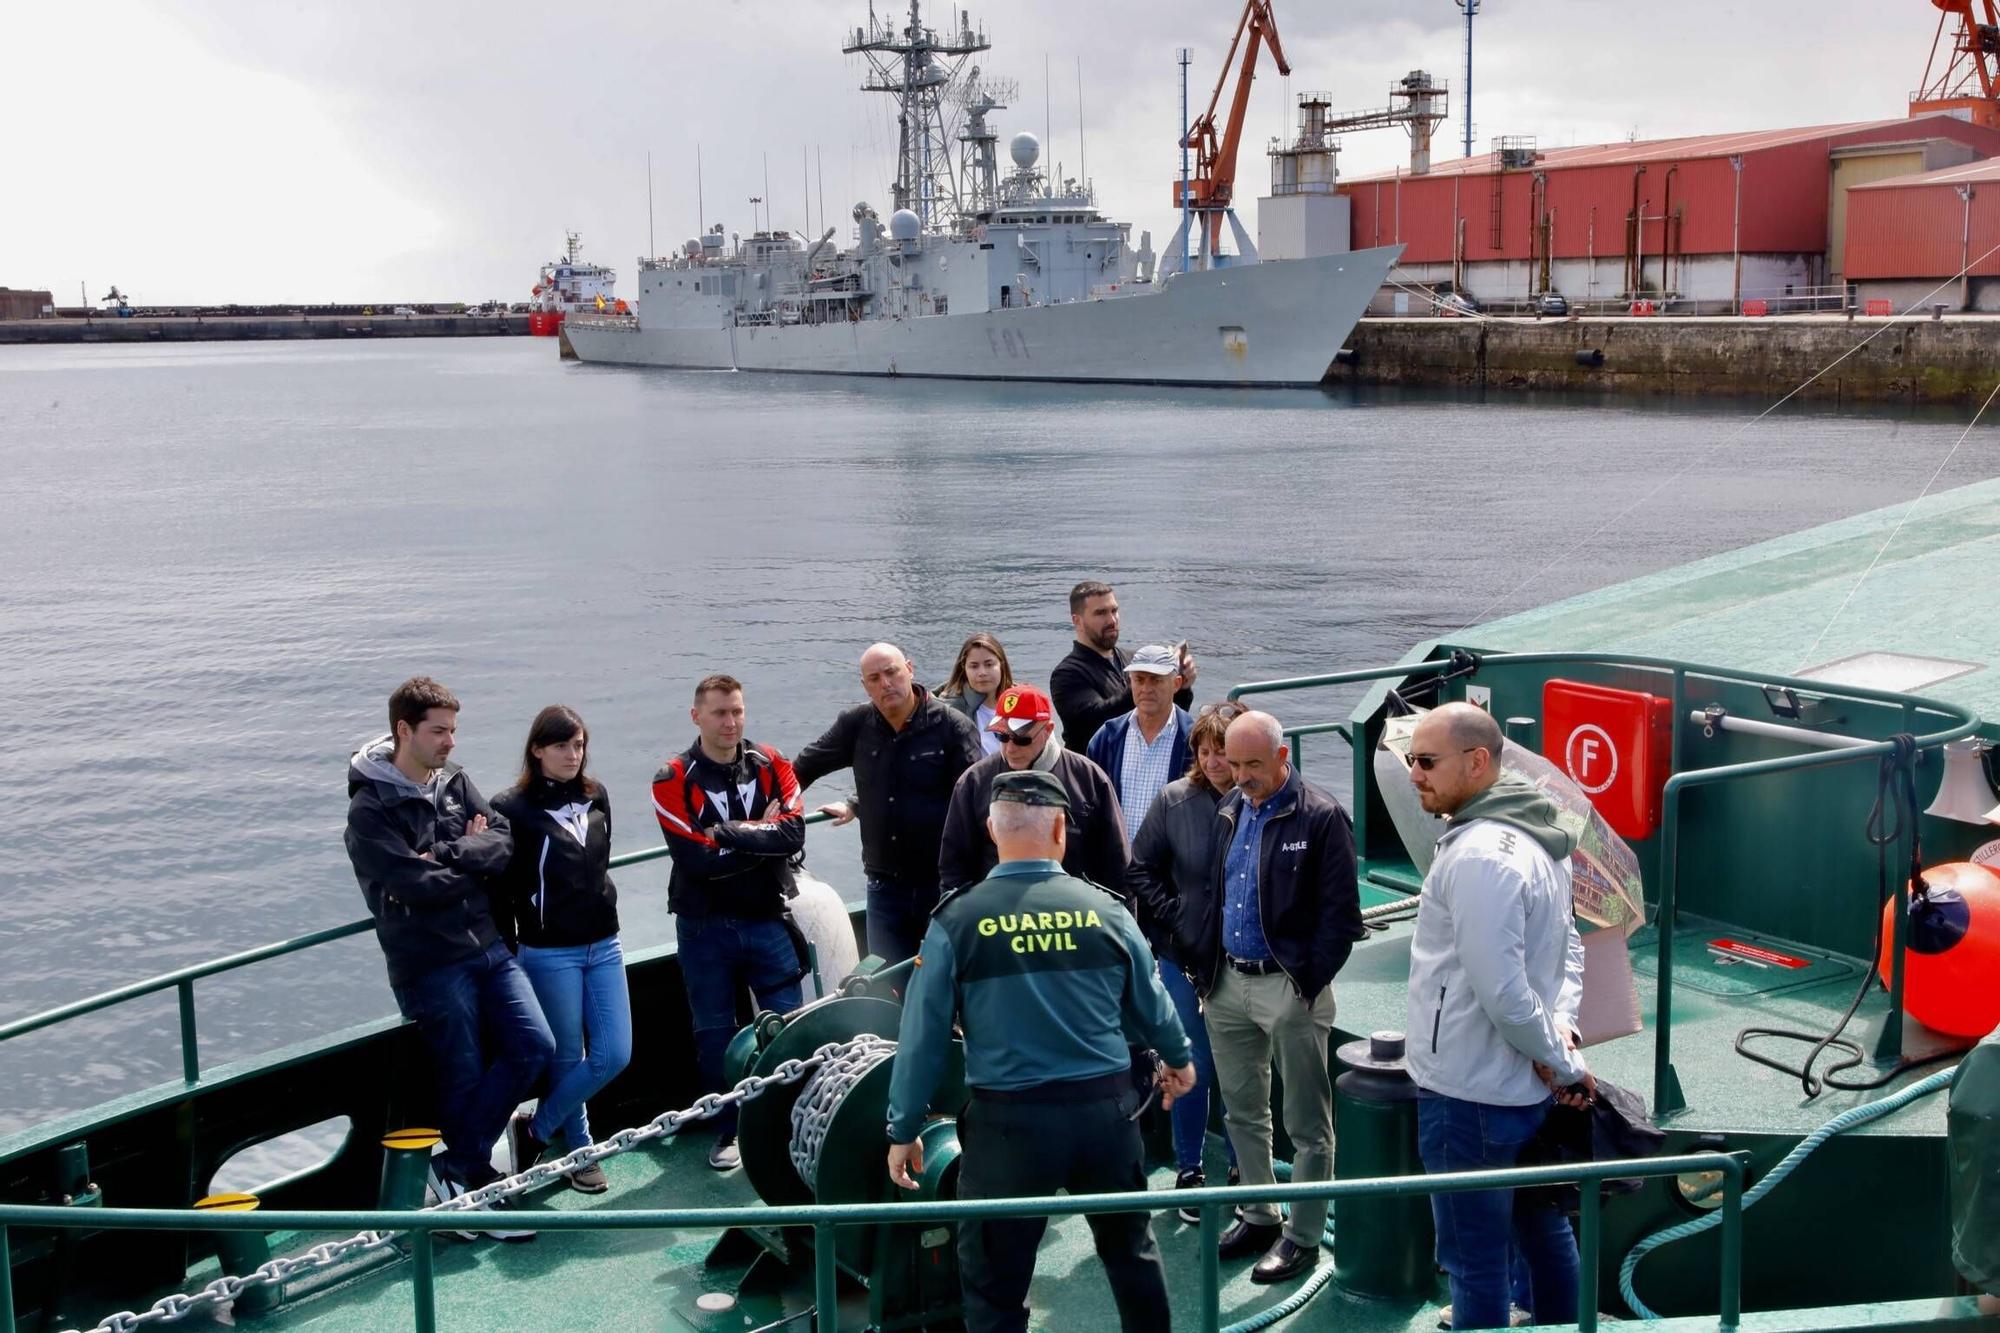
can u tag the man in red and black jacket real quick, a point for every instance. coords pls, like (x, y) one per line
(734, 824)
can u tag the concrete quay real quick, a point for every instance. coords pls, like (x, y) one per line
(1955, 360)
(257, 328)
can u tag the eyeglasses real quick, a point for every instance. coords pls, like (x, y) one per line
(1427, 762)
(1028, 737)
(1229, 711)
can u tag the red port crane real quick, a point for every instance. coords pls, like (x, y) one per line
(1212, 187)
(1963, 72)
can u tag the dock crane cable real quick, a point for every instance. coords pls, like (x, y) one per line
(1894, 815)
(1697, 457)
(1904, 518)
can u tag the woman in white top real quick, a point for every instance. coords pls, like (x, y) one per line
(977, 678)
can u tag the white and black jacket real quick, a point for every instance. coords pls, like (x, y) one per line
(556, 891)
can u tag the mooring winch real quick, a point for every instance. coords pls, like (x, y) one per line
(821, 1140)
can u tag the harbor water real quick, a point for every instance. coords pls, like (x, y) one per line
(219, 559)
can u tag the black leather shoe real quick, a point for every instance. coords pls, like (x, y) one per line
(1284, 1261)
(1246, 1237)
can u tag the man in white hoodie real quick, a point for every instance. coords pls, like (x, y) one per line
(1496, 974)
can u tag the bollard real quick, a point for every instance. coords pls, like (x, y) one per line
(1521, 731)
(242, 1252)
(1382, 1246)
(406, 1163)
(73, 1188)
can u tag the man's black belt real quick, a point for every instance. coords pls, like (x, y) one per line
(1262, 967)
(1070, 1090)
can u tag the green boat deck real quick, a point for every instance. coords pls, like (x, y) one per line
(1761, 608)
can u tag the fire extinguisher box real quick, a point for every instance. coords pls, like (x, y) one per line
(1618, 745)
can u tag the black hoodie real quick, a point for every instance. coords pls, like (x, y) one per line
(429, 911)
(556, 892)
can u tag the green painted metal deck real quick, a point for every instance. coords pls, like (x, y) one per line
(1761, 608)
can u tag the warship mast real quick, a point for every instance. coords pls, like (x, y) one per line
(917, 65)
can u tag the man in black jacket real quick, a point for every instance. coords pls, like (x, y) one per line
(1024, 719)
(1089, 686)
(906, 749)
(733, 821)
(1284, 913)
(424, 845)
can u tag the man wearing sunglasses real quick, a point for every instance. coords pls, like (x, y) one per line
(1024, 719)
(1496, 976)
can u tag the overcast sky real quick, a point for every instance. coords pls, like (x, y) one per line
(322, 150)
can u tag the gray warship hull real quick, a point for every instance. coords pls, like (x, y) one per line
(1267, 325)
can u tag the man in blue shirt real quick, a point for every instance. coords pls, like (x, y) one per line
(1051, 982)
(1289, 914)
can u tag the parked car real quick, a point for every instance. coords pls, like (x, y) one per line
(1454, 303)
(1552, 303)
(404, 310)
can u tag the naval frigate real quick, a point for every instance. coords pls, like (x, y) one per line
(979, 274)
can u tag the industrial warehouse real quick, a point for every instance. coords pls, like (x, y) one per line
(1874, 216)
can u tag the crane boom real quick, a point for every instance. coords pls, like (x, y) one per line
(1213, 185)
(1963, 73)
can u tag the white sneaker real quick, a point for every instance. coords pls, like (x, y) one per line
(1519, 1318)
(724, 1156)
(444, 1188)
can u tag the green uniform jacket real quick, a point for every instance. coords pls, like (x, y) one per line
(1050, 979)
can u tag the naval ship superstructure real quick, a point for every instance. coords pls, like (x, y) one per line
(976, 273)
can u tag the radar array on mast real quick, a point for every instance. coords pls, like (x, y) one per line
(918, 66)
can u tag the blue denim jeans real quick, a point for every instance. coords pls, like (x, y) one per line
(582, 990)
(478, 1084)
(898, 916)
(1479, 1234)
(720, 956)
(1190, 1113)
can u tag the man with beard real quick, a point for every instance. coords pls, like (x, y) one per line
(1089, 686)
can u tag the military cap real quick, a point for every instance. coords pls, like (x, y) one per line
(1031, 787)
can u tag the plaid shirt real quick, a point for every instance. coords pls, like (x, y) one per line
(1142, 771)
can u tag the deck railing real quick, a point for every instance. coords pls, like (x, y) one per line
(824, 1218)
(182, 980)
(1667, 1095)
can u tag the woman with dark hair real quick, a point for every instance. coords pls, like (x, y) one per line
(977, 679)
(562, 909)
(1172, 855)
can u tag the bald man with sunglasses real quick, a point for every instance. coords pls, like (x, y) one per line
(1024, 719)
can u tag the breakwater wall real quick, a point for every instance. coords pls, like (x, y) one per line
(1954, 360)
(257, 328)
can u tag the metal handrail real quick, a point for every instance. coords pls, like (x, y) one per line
(823, 1218)
(183, 979)
(1667, 1095)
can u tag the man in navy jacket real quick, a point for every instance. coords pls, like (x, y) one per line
(425, 844)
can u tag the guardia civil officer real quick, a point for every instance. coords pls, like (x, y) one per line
(1051, 982)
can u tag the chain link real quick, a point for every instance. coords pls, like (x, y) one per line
(174, 1308)
(813, 1112)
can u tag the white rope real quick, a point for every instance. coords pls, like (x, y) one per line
(1912, 508)
(1702, 455)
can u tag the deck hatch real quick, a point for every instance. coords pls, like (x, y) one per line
(1901, 673)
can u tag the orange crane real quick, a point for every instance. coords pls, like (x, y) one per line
(1963, 72)
(1212, 187)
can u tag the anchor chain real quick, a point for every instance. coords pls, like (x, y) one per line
(812, 1113)
(174, 1308)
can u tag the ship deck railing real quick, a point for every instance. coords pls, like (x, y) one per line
(1959, 723)
(1419, 666)
(1214, 1204)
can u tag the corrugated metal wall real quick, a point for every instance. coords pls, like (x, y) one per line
(1916, 231)
(1786, 193)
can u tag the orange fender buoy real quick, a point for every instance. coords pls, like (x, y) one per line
(1951, 977)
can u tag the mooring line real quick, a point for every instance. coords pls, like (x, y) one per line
(1727, 440)
(1807, 661)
